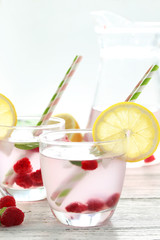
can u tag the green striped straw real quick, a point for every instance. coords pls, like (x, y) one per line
(142, 84)
(57, 95)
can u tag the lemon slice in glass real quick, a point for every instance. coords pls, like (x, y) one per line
(8, 116)
(129, 126)
(71, 123)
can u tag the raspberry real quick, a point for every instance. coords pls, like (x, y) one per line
(35, 149)
(76, 207)
(7, 201)
(23, 166)
(23, 180)
(12, 216)
(65, 139)
(113, 200)
(89, 165)
(95, 205)
(149, 159)
(36, 178)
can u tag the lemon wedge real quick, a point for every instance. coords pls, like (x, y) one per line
(8, 116)
(70, 123)
(128, 126)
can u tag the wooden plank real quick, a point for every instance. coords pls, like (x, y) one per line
(137, 215)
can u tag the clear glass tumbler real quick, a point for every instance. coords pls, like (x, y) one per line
(20, 172)
(83, 183)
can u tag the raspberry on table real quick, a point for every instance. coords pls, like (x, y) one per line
(89, 165)
(113, 200)
(76, 207)
(36, 178)
(23, 166)
(11, 216)
(7, 201)
(95, 205)
(23, 180)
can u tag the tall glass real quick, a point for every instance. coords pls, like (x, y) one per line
(83, 183)
(20, 172)
(127, 49)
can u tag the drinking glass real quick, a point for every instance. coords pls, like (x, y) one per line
(83, 183)
(20, 172)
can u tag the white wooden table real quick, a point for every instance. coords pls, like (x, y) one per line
(137, 215)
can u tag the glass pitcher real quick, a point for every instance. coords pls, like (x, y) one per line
(127, 50)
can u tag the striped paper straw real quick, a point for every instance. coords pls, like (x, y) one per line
(4, 192)
(142, 84)
(61, 192)
(61, 88)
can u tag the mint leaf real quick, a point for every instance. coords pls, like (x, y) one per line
(2, 210)
(27, 146)
(30, 145)
(77, 163)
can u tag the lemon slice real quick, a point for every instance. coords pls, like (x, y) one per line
(8, 116)
(71, 123)
(129, 127)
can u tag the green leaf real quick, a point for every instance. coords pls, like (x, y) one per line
(27, 146)
(77, 163)
(25, 122)
(2, 210)
(96, 152)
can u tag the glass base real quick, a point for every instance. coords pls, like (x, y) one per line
(85, 219)
(33, 194)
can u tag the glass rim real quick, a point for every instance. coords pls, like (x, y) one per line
(43, 138)
(60, 121)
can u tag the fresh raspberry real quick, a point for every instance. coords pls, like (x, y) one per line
(12, 216)
(149, 159)
(95, 205)
(113, 200)
(65, 139)
(36, 178)
(24, 180)
(23, 166)
(7, 201)
(89, 165)
(35, 149)
(76, 207)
